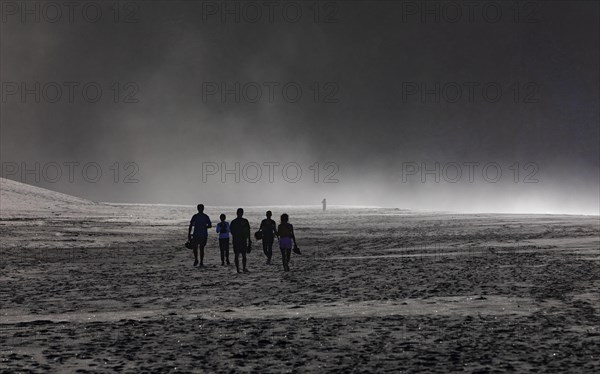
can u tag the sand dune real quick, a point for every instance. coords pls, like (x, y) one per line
(21, 198)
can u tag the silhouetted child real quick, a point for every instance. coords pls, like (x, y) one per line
(223, 230)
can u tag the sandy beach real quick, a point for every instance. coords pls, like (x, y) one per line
(89, 287)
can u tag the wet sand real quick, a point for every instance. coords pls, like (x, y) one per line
(111, 288)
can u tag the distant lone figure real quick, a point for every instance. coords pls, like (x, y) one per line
(285, 230)
(200, 223)
(324, 202)
(223, 230)
(269, 231)
(240, 230)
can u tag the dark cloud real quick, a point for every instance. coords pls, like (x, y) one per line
(363, 61)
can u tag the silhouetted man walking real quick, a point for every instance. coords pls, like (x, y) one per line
(240, 230)
(200, 223)
(269, 230)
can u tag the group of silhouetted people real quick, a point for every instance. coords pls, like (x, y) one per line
(239, 230)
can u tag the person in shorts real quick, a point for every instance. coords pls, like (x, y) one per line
(240, 231)
(200, 224)
(223, 231)
(287, 240)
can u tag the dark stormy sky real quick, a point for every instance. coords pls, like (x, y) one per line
(388, 88)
